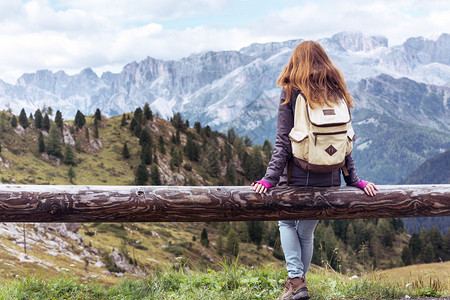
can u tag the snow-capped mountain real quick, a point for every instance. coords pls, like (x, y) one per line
(227, 88)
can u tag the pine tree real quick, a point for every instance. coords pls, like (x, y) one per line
(23, 120)
(447, 245)
(231, 135)
(3, 122)
(155, 176)
(80, 119)
(386, 232)
(247, 141)
(212, 162)
(38, 119)
(69, 155)
(177, 121)
(340, 228)
(398, 224)
(41, 143)
(54, 145)
(146, 154)
(145, 138)
(406, 256)
(192, 149)
(125, 151)
(230, 176)
(253, 164)
(138, 116)
(228, 152)
(148, 114)
(239, 147)
(133, 125)
(197, 127)
(177, 137)
(96, 134)
(255, 231)
(46, 123)
(267, 150)
(137, 131)
(123, 122)
(427, 254)
(208, 131)
(162, 149)
(219, 245)
(204, 238)
(350, 235)
(71, 174)
(59, 119)
(435, 238)
(415, 244)
(14, 121)
(177, 158)
(98, 115)
(232, 243)
(141, 175)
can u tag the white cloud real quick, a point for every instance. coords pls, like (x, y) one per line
(104, 35)
(125, 11)
(396, 20)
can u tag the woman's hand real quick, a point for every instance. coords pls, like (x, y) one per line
(370, 189)
(259, 188)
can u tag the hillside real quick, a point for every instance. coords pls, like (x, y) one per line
(101, 161)
(431, 171)
(95, 152)
(435, 170)
(142, 148)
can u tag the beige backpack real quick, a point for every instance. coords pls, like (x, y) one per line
(321, 137)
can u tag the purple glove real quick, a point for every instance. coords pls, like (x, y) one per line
(266, 184)
(361, 184)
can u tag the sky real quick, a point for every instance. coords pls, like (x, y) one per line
(105, 35)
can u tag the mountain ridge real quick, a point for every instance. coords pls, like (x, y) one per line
(177, 82)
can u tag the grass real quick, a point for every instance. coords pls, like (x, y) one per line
(230, 281)
(409, 274)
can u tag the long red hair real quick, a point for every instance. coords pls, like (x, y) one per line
(311, 71)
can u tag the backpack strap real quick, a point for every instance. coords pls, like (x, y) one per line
(289, 171)
(344, 170)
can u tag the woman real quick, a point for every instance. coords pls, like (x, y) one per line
(310, 72)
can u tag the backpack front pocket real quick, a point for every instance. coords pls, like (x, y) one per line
(327, 148)
(299, 143)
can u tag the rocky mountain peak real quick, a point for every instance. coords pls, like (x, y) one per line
(88, 73)
(427, 51)
(356, 41)
(42, 79)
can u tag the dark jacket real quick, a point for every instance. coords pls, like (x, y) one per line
(276, 172)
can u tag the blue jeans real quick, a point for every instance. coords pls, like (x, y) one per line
(297, 242)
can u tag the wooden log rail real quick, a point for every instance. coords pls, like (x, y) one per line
(51, 203)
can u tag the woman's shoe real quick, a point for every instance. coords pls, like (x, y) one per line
(295, 289)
